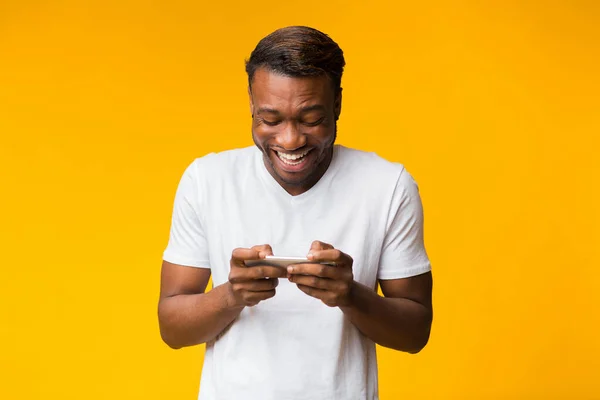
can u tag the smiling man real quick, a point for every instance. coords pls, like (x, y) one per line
(308, 331)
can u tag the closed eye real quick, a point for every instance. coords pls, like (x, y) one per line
(313, 123)
(270, 123)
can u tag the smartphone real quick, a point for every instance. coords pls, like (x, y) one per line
(283, 262)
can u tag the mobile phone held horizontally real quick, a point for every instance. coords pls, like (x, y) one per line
(283, 262)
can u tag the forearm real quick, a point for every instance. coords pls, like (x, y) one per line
(190, 319)
(398, 323)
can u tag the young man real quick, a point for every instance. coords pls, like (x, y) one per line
(308, 331)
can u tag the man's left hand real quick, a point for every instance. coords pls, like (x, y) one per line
(330, 284)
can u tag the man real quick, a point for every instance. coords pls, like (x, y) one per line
(308, 332)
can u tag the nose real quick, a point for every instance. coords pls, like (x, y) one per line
(290, 137)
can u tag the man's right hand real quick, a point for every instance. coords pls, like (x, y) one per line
(251, 285)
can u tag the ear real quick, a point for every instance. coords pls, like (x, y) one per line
(337, 106)
(251, 102)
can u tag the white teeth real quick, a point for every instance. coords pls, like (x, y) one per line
(291, 156)
(286, 158)
(291, 163)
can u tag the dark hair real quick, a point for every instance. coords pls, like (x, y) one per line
(298, 51)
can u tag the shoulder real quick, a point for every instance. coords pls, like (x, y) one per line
(373, 177)
(370, 167)
(219, 164)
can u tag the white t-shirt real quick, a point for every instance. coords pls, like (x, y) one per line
(293, 346)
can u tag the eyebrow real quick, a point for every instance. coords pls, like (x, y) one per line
(316, 107)
(263, 110)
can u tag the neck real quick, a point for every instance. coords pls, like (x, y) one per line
(296, 189)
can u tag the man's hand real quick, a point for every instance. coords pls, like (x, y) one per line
(251, 285)
(330, 284)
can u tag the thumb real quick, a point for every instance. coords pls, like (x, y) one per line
(318, 245)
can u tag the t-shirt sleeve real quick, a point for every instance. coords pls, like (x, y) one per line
(403, 252)
(187, 240)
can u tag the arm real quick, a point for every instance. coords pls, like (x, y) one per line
(188, 316)
(401, 320)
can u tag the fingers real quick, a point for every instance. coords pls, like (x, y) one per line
(253, 298)
(329, 298)
(239, 255)
(318, 245)
(241, 274)
(332, 293)
(251, 285)
(320, 270)
(313, 292)
(251, 292)
(263, 250)
(324, 252)
(260, 285)
(330, 255)
(329, 283)
(316, 282)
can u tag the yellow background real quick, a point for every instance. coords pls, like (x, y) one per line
(492, 106)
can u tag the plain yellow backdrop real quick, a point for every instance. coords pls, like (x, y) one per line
(492, 106)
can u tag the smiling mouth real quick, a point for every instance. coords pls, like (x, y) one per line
(292, 159)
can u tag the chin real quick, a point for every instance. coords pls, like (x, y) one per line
(293, 179)
(287, 176)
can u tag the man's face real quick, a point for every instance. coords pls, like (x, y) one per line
(294, 125)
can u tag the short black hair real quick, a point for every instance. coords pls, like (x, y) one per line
(298, 51)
